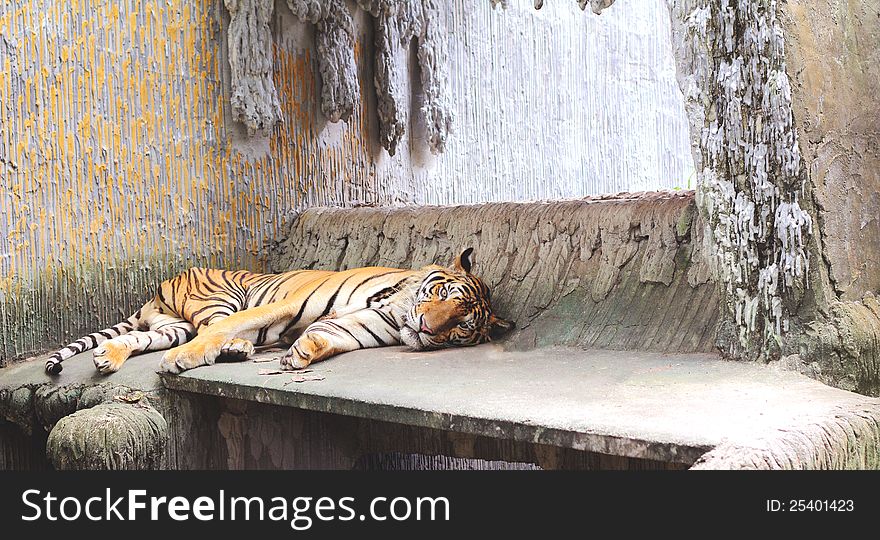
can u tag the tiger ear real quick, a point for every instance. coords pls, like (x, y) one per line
(498, 326)
(463, 261)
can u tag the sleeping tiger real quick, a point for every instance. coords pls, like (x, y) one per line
(204, 314)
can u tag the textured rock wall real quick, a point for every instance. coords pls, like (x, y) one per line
(596, 5)
(619, 272)
(83, 423)
(834, 68)
(398, 22)
(780, 97)
(733, 74)
(109, 436)
(841, 348)
(254, 99)
(334, 44)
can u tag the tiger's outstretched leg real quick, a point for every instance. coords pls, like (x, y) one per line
(363, 329)
(91, 341)
(165, 331)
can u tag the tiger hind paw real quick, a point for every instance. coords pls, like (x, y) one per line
(110, 356)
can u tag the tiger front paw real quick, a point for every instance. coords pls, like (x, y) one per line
(294, 359)
(307, 349)
(202, 351)
(236, 350)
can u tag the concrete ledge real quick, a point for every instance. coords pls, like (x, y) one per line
(848, 440)
(32, 400)
(666, 407)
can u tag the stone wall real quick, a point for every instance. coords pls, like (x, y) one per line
(834, 69)
(781, 99)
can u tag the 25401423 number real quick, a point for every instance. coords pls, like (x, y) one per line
(820, 505)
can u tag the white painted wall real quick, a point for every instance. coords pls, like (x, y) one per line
(555, 103)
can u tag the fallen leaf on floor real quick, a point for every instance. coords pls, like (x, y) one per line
(304, 378)
(261, 360)
(132, 397)
(271, 372)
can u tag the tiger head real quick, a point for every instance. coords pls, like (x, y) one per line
(451, 308)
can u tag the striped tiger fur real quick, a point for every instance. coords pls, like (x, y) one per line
(203, 314)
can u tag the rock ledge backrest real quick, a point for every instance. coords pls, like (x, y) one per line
(621, 272)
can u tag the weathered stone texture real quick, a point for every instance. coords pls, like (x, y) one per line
(109, 436)
(45, 404)
(843, 349)
(834, 68)
(397, 24)
(335, 46)
(851, 440)
(781, 100)
(615, 272)
(596, 5)
(254, 97)
(32, 407)
(434, 71)
(731, 67)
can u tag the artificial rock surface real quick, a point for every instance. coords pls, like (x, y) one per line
(398, 22)
(780, 97)
(621, 272)
(254, 98)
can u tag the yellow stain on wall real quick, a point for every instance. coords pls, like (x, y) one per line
(116, 152)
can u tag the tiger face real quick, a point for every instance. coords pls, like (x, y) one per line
(451, 308)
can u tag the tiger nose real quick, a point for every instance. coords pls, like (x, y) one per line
(424, 327)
